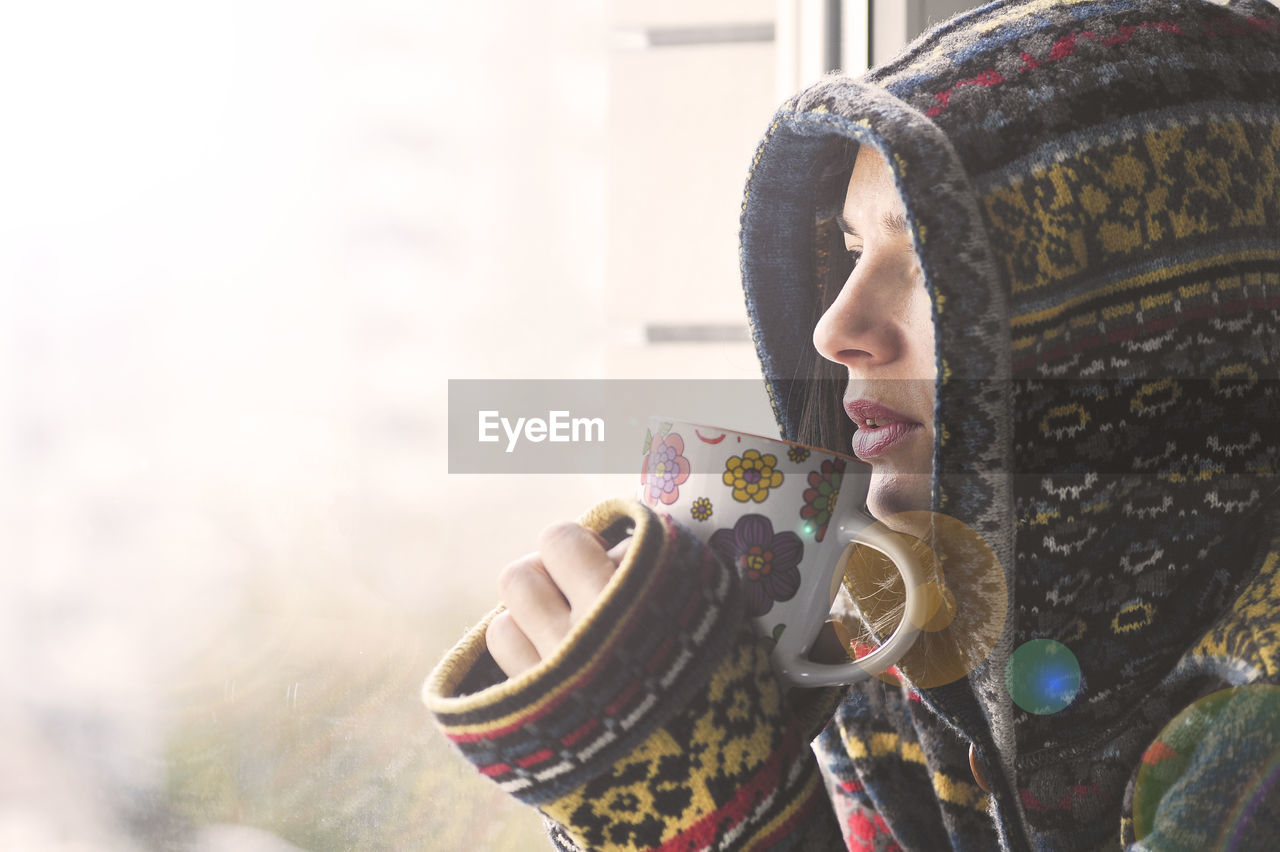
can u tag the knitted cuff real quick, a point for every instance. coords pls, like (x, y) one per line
(730, 771)
(666, 617)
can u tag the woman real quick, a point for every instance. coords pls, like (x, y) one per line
(1030, 271)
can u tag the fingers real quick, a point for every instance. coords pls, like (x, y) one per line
(575, 558)
(546, 593)
(536, 605)
(509, 647)
(619, 550)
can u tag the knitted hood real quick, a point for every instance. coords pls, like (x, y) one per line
(1093, 191)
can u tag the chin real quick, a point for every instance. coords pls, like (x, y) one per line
(893, 493)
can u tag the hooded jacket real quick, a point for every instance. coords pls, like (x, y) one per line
(1093, 193)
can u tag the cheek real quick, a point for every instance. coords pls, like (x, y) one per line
(920, 331)
(921, 359)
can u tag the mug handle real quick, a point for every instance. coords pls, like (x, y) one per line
(801, 671)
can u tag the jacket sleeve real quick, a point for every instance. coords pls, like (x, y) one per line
(658, 723)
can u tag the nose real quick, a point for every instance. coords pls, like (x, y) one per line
(863, 327)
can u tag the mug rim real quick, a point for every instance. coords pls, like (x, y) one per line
(811, 447)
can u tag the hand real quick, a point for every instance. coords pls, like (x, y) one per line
(548, 592)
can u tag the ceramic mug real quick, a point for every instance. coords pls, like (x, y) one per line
(785, 516)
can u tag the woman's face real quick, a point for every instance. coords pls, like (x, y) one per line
(880, 329)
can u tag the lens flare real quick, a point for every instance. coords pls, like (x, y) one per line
(1042, 676)
(1228, 740)
(967, 598)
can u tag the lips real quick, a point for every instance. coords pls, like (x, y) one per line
(880, 428)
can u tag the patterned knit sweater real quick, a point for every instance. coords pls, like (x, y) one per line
(1093, 191)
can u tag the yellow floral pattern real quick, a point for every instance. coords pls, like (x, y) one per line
(701, 509)
(751, 475)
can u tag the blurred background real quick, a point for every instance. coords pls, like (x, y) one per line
(243, 249)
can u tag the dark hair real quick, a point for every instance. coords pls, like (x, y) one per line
(876, 597)
(821, 422)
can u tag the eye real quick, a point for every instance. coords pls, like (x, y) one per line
(854, 254)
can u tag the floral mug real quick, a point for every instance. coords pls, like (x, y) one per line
(784, 515)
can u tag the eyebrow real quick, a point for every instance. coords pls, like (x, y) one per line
(894, 223)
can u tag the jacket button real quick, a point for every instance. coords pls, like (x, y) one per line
(979, 769)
